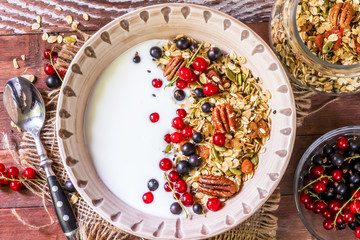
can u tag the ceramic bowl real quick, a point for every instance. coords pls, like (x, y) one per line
(165, 22)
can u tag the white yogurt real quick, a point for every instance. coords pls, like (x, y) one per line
(125, 145)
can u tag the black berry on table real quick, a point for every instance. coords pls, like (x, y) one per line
(197, 208)
(199, 92)
(328, 149)
(153, 184)
(183, 167)
(179, 95)
(188, 149)
(182, 43)
(53, 81)
(337, 159)
(206, 107)
(195, 160)
(175, 208)
(214, 53)
(136, 59)
(156, 52)
(197, 137)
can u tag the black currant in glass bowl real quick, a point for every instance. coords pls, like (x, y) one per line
(327, 185)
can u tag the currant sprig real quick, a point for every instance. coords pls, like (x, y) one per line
(53, 65)
(343, 206)
(177, 199)
(319, 178)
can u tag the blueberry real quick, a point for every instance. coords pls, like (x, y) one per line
(175, 208)
(179, 95)
(356, 167)
(69, 187)
(353, 144)
(183, 167)
(197, 208)
(318, 159)
(136, 59)
(194, 46)
(328, 150)
(188, 149)
(53, 81)
(153, 184)
(156, 52)
(214, 53)
(199, 92)
(197, 137)
(183, 43)
(195, 160)
(341, 188)
(337, 159)
(354, 225)
(206, 107)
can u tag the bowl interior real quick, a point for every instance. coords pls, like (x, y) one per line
(165, 22)
(314, 222)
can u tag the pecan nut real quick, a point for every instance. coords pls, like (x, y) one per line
(224, 118)
(173, 66)
(217, 186)
(342, 18)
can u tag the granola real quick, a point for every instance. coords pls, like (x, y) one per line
(239, 104)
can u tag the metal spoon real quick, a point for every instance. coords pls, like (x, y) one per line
(26, 109)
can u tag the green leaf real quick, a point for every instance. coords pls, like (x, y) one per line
(327, 47)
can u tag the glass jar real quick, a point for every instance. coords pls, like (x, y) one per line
(304, 67)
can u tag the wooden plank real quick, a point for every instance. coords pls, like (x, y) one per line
(18, 16)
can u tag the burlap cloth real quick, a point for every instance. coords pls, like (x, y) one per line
(261, 225)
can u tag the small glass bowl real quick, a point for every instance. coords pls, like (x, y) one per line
(314, 222)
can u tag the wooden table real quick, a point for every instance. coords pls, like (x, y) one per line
(17, 38)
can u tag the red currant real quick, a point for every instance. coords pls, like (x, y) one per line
(168, 187)
(213, 204)
(336, 175)
(62, 73)
(49, 69)
(187, 199)
(165, 164)
(210, 89)
(339, 219)
(15, 185)
(180, 84)
(349, 217)
(324, 180)
(327, 214)
(2, 168)
(178, 123)
(334, 206)
(181, 112)
(148, 197)
(29, 173)
(173, 176)
(317, 171)
(193, 78)
(357, 232)
(185, 73)
(187, 132)
(181, 186)
(176, 137)
(177, 196)
(328, 224)
(346, 206)
(167, 138)
(320, 205)
(13, 172)
(47, 53)
(304, 198)
(54, 59)
(154, 117)
(4, 181)
(200, 64)
(310, 205)
(157, 83)
(319, 187)
(355, 207)
(219, 139)
(342, 143)
(356, 196)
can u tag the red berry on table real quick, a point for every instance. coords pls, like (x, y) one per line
(193, 78)
(327, 214)
(176, 137)
(181, 84)
(49, 69)
(210, 89)
(181, 112)
(339, 219)
(342, 143)
(310, 205)
(157, 83)
(4, 181)
(336, 175)
(185, 73)
(177, 196)
(328, 224)
(173, 176)
(319, 187)
(304, 198)
(148, 197)
(334, 206)
(15, 185)
(357, 232)
(29, 173)
(154, 117)
(54, 59)
(167, 138)
(178, 123)
(349, 217)
(47, 53)
(187, 199)
(165, 164)
(355, 207)
(187, 132)
(324, 180)
(213, 204)
(2, 168)
(168, 187)
(356, 196)
(320, 205)
(317, 171)
(200, 64)
(62, 73)
(13, 172)
(219, 139)
(181, 186)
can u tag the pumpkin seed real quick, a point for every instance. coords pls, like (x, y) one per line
(239, 79)
(168, 148)
(230, 75)
(235, 171)
(220, 149)
(69, 40)
(216, 155)
(327, 47)
(254, 160)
